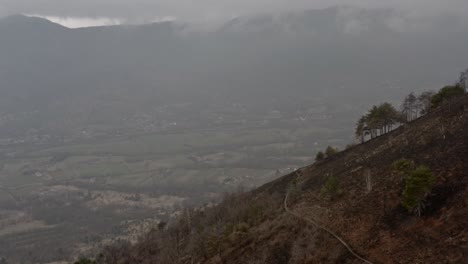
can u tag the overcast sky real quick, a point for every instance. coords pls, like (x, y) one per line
(90, 12)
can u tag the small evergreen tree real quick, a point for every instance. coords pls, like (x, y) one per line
(330, 151)
(331, 187)
(419, 184)
(403, 166)
(162, 225)
(361, 128)
(446, 94)
(320, 156)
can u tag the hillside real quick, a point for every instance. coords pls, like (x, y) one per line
(366, 212)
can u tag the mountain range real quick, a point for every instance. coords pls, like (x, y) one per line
(65, 74)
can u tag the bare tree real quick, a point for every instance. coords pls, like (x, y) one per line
(368, 180)
(463, 79)
(409, 107)
(424, 102)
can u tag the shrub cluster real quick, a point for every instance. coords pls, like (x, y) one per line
(419, 182)
(419, 185)
(331, 187)
(330, 151)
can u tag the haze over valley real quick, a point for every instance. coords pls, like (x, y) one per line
(105, 131)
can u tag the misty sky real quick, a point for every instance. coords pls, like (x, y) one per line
(77, 13)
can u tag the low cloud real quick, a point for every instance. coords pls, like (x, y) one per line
(108, 11)
(80, 22)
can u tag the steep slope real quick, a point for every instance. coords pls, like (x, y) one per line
(367, 213)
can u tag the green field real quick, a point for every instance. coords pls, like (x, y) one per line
(91, 185)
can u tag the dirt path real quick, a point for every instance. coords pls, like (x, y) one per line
(313, 222)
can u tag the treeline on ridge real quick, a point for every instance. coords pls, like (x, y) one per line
(383, 118)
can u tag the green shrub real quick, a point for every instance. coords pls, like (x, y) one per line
(85, 261)
(242, 227)
(331, 187)
(279, 253)
(447, 93)
(419, 184)
(162, 225)
(320, 156)
(330, 151)
(403, 166)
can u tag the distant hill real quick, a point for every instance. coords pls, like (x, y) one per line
(23, 23)
(365, 209)
(64, 74)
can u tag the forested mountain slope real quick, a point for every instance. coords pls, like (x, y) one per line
(363, 205)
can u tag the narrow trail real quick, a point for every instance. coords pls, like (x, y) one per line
(316, 224)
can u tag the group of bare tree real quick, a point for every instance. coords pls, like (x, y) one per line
(415, 106)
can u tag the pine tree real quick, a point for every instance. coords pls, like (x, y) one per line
(320, 156)
(447, 94)
(330, 151)
(331, 187)
(419, 184)
(379, 120)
